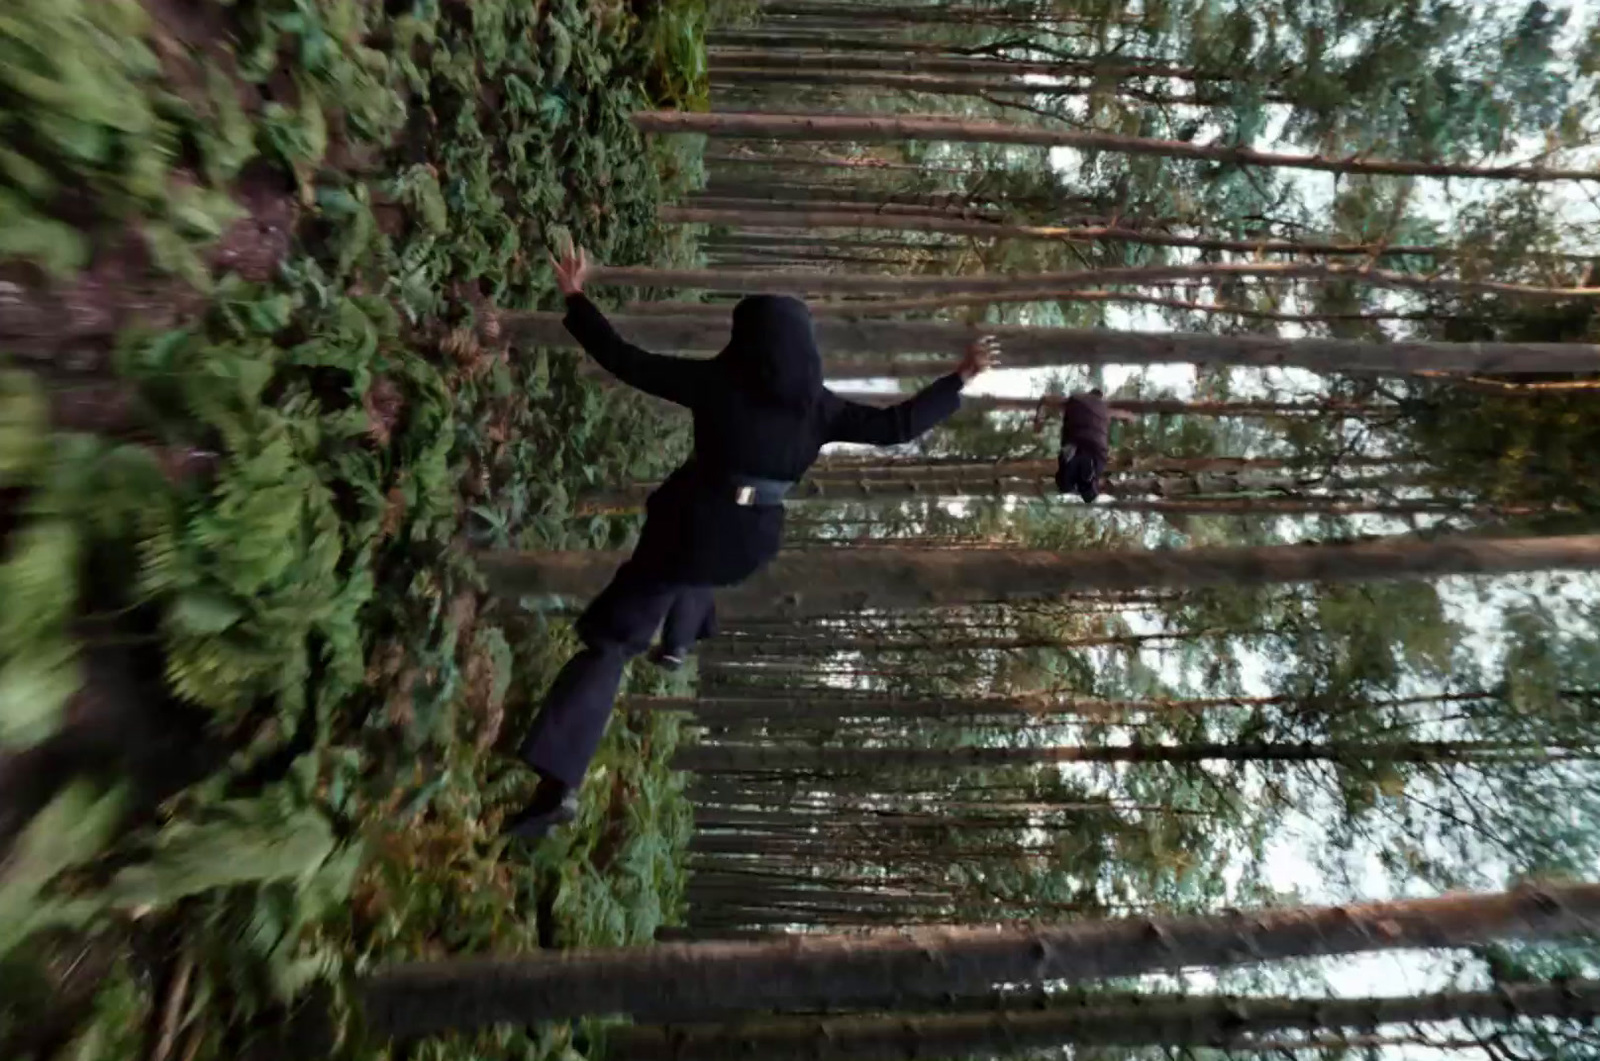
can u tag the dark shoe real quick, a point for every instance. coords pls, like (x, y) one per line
(535, 822)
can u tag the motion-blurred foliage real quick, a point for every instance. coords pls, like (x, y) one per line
(268, 565)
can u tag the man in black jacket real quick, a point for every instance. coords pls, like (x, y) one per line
(761, 415)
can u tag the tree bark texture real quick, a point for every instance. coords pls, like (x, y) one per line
(898, 14)
(809, 583)
(425, 998)
(1215, 1022)
(761, 758)
(1292, 491)
(937, 291)
(835, 708)
(831, 164)
(984, 84)
(744, 213)
(870, 128)
(1152, 407)
(872, 349)
(780, 54)
(763, 214)
(757, 257)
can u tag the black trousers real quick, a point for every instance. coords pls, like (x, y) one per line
(617, 626)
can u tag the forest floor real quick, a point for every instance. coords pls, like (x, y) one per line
(255, 410)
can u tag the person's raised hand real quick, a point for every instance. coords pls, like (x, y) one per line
(572, 269)
(981, 356)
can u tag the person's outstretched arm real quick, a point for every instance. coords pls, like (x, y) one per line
(675, 379)
(896, 424)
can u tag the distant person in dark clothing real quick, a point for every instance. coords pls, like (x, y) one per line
(761, 414)
(1085, 445)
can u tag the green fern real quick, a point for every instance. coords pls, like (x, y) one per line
(72, 829)
(86, 115)
(35, 685)
(309, 550)
(238, 842)
(38, 592)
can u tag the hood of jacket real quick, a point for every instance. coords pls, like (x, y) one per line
(772, 354)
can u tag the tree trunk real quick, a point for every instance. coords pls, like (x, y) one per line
(837, 59)
(1029, 478)
(745, 213)
(756, 258)
(805, 653)
(858, 164)
(961, 14)
(425, 998)
(1153, 407)
(746, 240)
(984, 85)
(877, 346)
(760, 214)
(676, 934)
(817, 30)
(1319, 506)
(1161, 1021)
(1348, 1045)
(934, 292)
(835, 707)
(870, 128)
(880, 466)
(797, 584)
(870, 188)
(824, 822)
(887, 307)
(760, 758)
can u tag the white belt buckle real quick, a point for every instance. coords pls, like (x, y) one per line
(746, 496)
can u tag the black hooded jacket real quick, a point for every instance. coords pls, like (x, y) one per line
(759, 409)
(1085, 445)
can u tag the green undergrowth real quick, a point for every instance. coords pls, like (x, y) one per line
(252, 586)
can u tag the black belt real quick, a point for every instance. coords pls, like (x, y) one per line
(751, 490)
